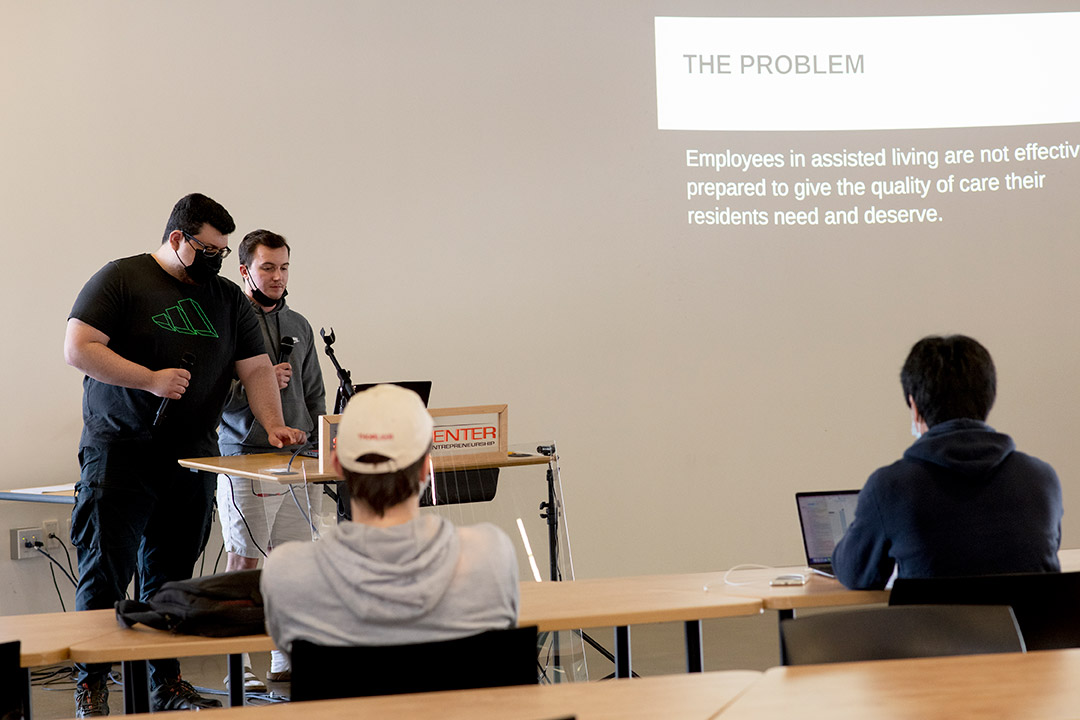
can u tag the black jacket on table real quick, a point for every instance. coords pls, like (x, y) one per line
(962, 501)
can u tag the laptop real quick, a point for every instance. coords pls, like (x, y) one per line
(824, 518)
(420, 387)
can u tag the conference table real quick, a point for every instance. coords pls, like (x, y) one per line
(281, 467)
(46, 638)
(819, 591)
(551, 606)
(624, 601)
(1042, 684)
(688, 697)
(134, 646)
(568, 605)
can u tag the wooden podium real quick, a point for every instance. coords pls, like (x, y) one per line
(274, 467)
(484, 446)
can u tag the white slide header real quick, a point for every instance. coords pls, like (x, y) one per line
(867, 73)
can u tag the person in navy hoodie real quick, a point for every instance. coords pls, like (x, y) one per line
(962, 500)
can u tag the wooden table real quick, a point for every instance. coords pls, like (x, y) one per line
(686, 697)
(818, 592)
(564, 605)
(621, 602)
(1033, 685)
(46, 638)
(59, 494)
(258, 466)
(136, 645)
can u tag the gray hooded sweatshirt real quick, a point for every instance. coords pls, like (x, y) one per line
(421, 581)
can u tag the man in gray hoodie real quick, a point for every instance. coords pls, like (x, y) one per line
(258, 516)
(392, 575)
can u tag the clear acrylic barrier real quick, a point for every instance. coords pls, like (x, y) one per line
(519, 506)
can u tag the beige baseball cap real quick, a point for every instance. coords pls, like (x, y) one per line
(386, 420)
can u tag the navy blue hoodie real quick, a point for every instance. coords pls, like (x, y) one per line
(962, 501)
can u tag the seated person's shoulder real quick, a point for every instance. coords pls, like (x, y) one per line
(484, 534)
(1033, 464)
(487, 541)
(287, 563)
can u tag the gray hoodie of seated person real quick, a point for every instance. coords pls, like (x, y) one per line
(422, 581)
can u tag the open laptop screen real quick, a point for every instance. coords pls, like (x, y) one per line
(420, 387)
(824, 518)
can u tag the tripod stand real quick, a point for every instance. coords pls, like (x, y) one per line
(345, 387)
(344, 392)
(550, 512)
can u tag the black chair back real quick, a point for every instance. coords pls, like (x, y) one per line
(490, 659)
(899, 632)
(1047, 605)
(14, 687)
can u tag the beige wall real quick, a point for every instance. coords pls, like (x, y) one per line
(476, 193)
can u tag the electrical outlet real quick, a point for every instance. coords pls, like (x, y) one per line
(50, 528)
(21, 537)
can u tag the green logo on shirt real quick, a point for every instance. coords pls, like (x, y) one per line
(186, 318)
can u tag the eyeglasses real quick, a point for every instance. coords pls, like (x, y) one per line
(209, 250)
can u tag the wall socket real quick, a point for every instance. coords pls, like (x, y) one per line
(19, 539)
(48, 528)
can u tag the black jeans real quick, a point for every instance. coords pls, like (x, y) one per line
(136, 509)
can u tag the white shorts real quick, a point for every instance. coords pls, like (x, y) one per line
(270, 520)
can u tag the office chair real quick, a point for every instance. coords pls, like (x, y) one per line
(1046, 605)
(15, 685)
(899, 632)
(489, 659)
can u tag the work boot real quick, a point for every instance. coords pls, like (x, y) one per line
(179, 695)
(91, 700)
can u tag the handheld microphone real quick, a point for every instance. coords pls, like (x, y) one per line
(287, 345)
(187, 362)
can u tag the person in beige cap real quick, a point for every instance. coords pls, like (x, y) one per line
(392, 575)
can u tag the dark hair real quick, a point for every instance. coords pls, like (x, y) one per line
(383, 491)
(254, 239)
(949, 377)
(192, 211)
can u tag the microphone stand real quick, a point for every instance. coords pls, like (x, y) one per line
(344, 392)
(550, 512)
(345, 386)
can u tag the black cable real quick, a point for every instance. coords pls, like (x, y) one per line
(300, 448)
(292, 491)
(250, 698)
(52, 571)
(232, 496)
(59, 677)
(217, 562)
(202, 555)
(65, 549)
(40, 547)
(541, 677)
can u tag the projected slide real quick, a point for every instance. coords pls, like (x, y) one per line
(910, 79)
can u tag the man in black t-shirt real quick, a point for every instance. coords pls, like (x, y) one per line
(147, 329)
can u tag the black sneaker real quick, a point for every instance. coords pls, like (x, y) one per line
(91, 701)
(179, 695)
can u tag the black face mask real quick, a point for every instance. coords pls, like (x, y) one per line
(202, 268)
(260, 297)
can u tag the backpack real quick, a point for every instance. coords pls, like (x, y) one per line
(219, 605)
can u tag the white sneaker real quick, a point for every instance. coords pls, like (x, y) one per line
(280, 669)
(251, 682)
